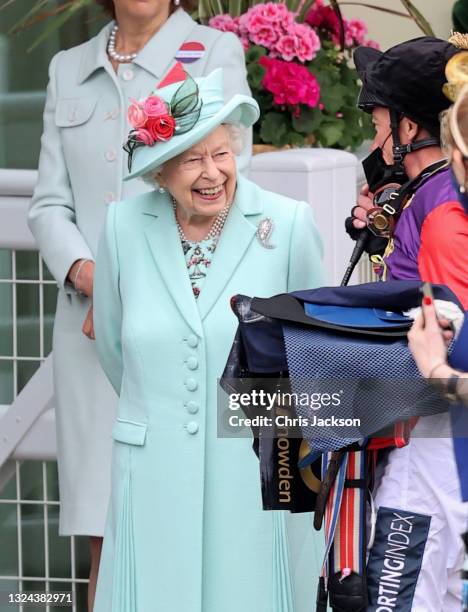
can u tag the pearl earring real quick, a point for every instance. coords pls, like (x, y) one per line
(176, 2)
(161, 190)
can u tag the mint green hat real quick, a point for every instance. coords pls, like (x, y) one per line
(193, 109)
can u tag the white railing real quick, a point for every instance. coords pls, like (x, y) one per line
(27, 426)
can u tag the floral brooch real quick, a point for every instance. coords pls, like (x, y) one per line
(155, 120)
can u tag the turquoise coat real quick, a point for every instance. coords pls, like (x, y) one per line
(81, 170)
(185, 529)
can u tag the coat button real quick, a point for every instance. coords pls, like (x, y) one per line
(192, 407)
(110, 155)
(191, 384)
(127, 74)
(192, 427)
(192, 341)
(192, 363)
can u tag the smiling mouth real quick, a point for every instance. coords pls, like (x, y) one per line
(211, 192)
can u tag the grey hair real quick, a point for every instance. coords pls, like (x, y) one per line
(238, 135)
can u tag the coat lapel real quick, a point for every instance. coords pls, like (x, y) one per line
(158, 54)
(164, 243)
(238, 233)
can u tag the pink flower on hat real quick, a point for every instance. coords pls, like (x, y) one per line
(136, 115)
(154, 106)
(145, 137)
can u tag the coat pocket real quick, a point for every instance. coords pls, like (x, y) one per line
(71, 112)
(129, 432)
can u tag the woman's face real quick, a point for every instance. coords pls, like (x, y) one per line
(141, 9)
(202, 180)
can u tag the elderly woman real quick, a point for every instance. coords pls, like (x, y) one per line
(80, 171)
(185, 529)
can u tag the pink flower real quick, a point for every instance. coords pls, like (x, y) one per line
(301, 43)
(264, 24)
(356, 31)
(373, 44)
(145, 137)
(265, 36)
(290, 83)
(245, 42)
(286, 47)
(154, 106)
(324, 18)
(225, 23)
(136, 115)
(307, 43)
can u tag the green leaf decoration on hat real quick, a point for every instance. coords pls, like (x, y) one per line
(131, 146)
(186, 105)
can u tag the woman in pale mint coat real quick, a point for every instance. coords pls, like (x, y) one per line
(80, 172)
(186, 530)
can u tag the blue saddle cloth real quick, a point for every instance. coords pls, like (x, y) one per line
(349, 342)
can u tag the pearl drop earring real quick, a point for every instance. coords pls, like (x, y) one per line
(176, 2)
(161, 190)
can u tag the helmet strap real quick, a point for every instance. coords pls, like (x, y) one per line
(400, 151)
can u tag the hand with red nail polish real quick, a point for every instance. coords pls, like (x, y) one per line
(428, 340)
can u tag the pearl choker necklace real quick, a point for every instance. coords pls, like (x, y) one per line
(215, 230)
(118, 57)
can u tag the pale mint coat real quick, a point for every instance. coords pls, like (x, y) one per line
(81, 168)
(185, 530)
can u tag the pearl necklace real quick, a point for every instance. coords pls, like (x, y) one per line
(215, 229)
(118, 57)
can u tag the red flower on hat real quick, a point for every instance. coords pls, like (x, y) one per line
(161, 128)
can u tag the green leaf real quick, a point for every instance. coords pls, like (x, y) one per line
(304, 10)
(330, 133)
(254, 53)
(377, 8)
(274, 129)
(58, 22)
(18, 25)
(308, 121)
(255, 74)
(418, 18)
(235, 8)
(217, 7)
(333, 97)
(204, 11)
(296, 140)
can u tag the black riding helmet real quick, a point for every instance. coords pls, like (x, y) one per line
(407, 78)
